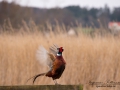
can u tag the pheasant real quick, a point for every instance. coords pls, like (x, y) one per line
(54, 60)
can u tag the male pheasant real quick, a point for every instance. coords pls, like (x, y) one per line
(54, 60)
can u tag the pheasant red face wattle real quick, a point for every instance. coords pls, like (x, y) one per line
(61, 49)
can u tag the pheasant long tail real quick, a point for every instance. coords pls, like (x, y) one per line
(35, 77)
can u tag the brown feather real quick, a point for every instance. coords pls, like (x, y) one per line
(52, 57)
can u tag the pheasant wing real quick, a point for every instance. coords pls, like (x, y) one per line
(44, 57)
(54, 49)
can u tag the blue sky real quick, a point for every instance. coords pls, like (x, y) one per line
(63, 3)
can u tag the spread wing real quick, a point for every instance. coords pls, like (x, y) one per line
(54, 49)
(45, 57)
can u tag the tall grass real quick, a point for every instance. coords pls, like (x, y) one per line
(88, 59)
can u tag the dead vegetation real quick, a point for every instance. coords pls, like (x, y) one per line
(88, 59)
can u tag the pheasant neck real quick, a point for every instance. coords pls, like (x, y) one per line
(59, 54)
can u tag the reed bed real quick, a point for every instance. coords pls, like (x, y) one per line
(88, 59)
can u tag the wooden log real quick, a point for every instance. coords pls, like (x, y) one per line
(43, 87)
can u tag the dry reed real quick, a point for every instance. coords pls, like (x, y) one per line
(88, 59)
